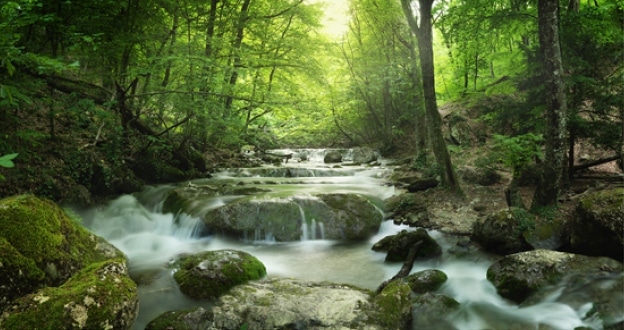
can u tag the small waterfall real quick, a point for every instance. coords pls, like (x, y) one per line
(313, 229)
(322, 229)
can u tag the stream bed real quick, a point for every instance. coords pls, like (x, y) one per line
(151, 239)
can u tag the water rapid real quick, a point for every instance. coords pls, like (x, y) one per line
(152, 239)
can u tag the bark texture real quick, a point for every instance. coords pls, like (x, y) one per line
(549, 187)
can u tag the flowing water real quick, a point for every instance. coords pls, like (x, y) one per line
(152, 239)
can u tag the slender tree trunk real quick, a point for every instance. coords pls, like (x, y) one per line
(549, 186)
(434, 121)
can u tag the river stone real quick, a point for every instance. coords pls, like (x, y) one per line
(344, 217)
(398, 245)
(426, 281)
(209, 274)
(363, 155)
(519, 275)
(41, 246)
(100, 296)
(278, 304)
(597, 227)
(501, 232)
(353, 217)
(392, 305)
(429, 311)
(332, 157)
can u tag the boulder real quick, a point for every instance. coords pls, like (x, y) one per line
(408, 209)
(278, 304)
(480, 176)
(208, 275)
(429, 280)
(41, 246)
(422, 184)
(100, 296)
(332, 157)
(597, 227)
(364, 155)
(519, 275)
(392, 305)
(502, 232)
(429, 311)
(344, 216)
(397, 246)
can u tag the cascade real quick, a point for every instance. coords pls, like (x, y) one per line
(151, 239)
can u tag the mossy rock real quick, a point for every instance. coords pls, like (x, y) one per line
(429, 311)
(598, 225)
(426, 281)
(392, 305)
(517, 276)
(502, 232)
(208, 275)
(190, 319)
(101, 296)
(354, 217)
(41, 246)
(398, 245)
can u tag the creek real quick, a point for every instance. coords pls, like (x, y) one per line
(151, 239)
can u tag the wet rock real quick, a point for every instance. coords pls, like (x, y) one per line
(208, 275)
(364, 155)
(519, 275)
(41, 246)
(397, 246)
(598, 225)
(502, 232)
(278, 304)
(343, 216)
(429, 311)
(392, 305)
(100, 296)
(428, 280)
(332, 157)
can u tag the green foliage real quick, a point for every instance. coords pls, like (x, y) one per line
(7, 161)
(518, 151)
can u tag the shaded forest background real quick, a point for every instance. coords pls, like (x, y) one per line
(101, 97)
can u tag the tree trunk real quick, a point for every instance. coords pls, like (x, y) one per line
(549, 186)
(425, 50)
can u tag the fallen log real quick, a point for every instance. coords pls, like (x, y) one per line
(408, 264)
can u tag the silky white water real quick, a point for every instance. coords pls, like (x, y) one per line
(152, 239)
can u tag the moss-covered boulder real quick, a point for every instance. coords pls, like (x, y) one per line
(502, 232)
(343, 216)
(353, 217)
(516, 276)
(100, 296)
(210, 274)
(429, 311)
(392, 305)
(277, 217)
(279, 304)
(398, 246)
(597, 227)
(363, 155)
(426, 281)
(41, 246)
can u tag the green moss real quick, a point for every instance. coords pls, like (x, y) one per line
(171, 320)
(95, 298)
(392, 305)
(212, 273)
(40, 245)
(427, 280)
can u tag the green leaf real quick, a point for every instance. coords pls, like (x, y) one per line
(6, 160)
